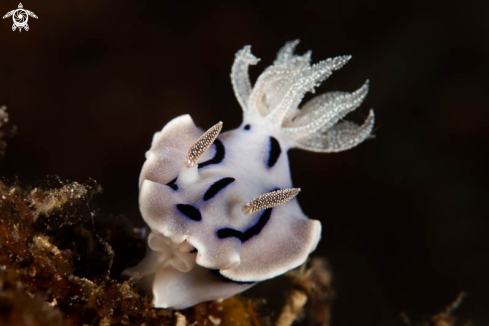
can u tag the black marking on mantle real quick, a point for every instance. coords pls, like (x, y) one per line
(274, 152)
(172, 184)
(247, 127)
(216, 187)
(248, 234)
(218, 157)
(190, 211)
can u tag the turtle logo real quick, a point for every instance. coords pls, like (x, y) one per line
(20, 16)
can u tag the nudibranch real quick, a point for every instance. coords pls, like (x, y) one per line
(221, 206)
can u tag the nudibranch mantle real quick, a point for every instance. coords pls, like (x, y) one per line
(221, 206)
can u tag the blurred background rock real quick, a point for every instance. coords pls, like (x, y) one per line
(404, 215)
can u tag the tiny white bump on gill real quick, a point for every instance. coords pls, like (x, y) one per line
(199, 190)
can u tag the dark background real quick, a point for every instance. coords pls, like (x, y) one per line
(404, 215)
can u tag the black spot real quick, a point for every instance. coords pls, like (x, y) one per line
(190, 211)
(172, 184)
(216, 187)
(274, 152)
(248, 234)
(218, 157)
(247, 127)
(193, 251)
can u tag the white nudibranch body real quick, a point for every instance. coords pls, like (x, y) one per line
(221, 207)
